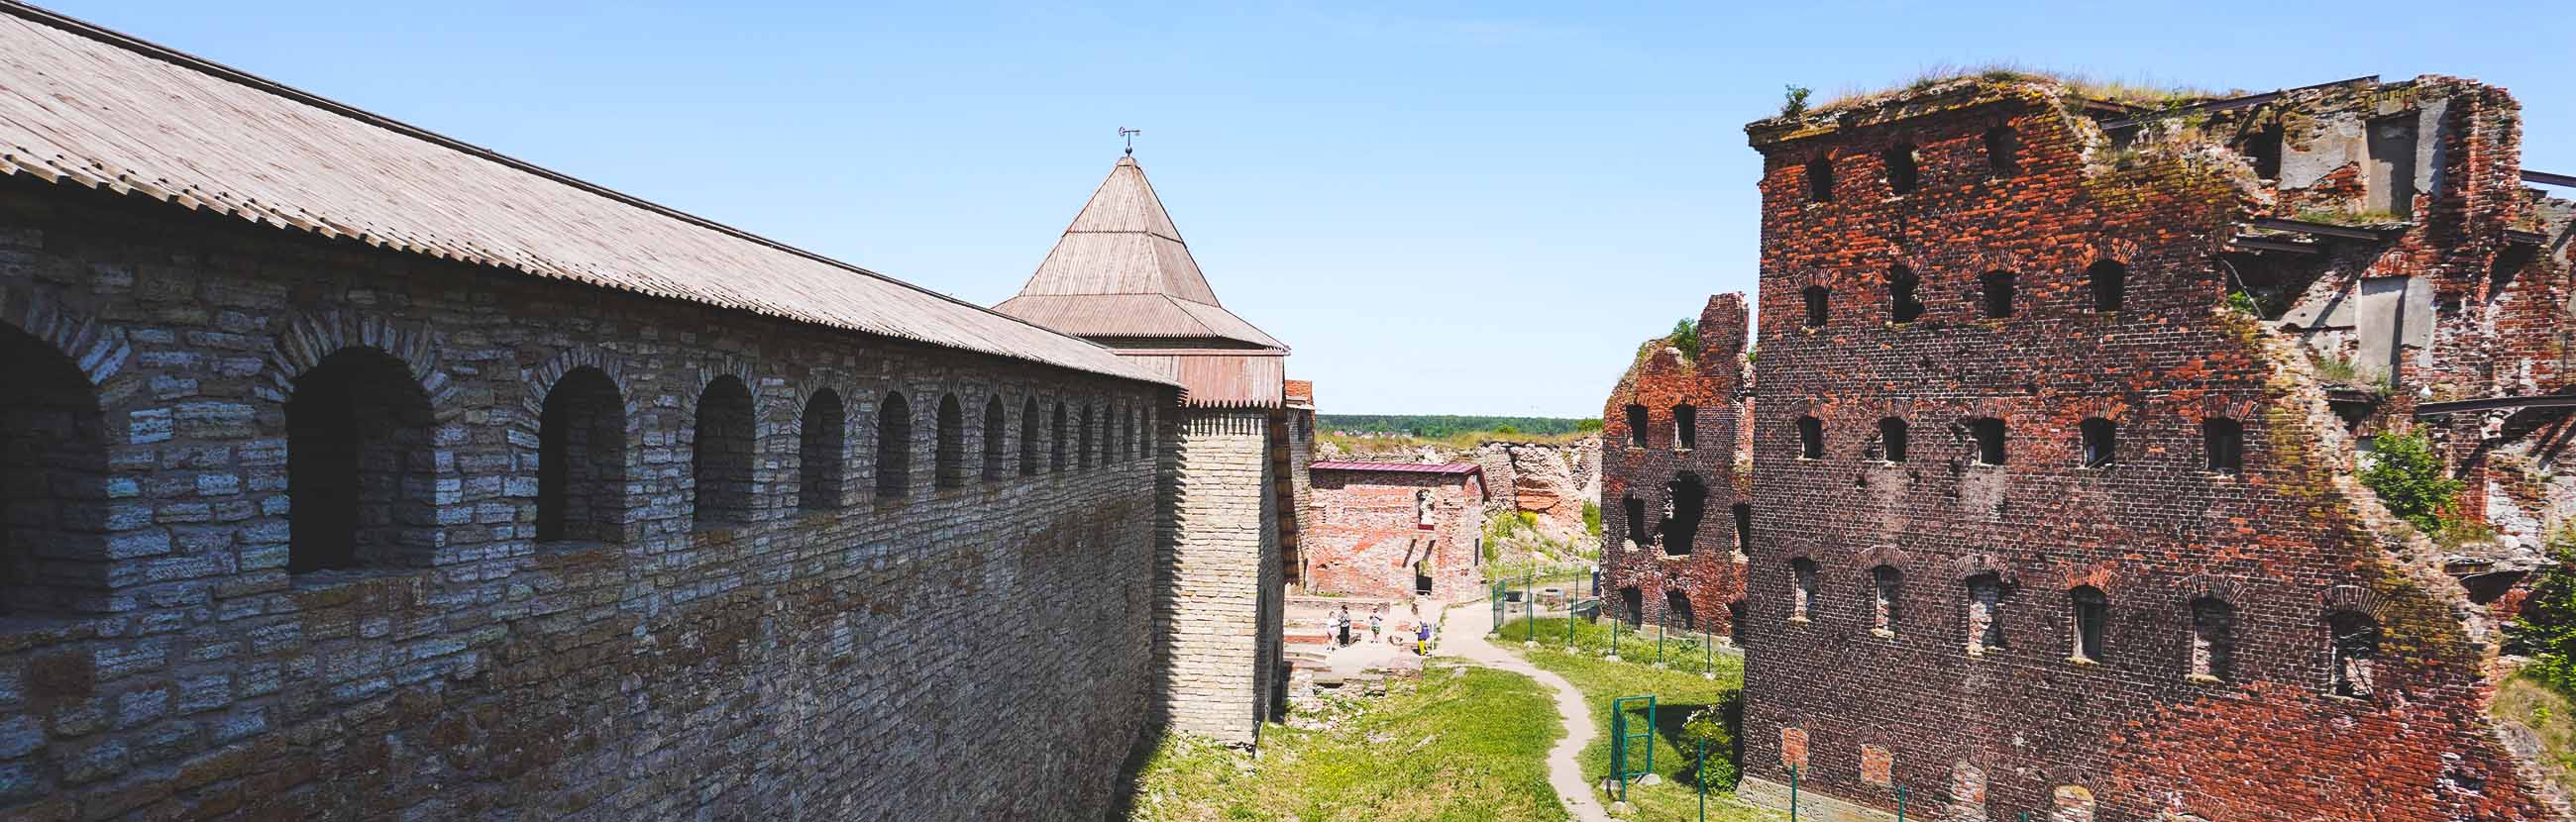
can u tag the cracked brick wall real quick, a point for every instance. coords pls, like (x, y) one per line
(1644, 561)
(1369, 536)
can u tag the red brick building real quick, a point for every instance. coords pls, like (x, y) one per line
(1383, 529)
(1676, 503)
(2050, 520)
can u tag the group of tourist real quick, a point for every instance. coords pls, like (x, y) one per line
(1342, 623)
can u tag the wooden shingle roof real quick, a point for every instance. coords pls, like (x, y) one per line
(85, 106)
(1121, 270)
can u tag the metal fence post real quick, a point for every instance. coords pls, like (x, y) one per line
(1793, 796)
(1529, 602)
(1900, 803)
(1701, 777)
(1660, 627)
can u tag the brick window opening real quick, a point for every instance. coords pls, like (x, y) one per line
(1635, 509)
(1995, 294)
(1055, 442)
(1820, 180)
(1985, 613)
(1632, 607)
(818, 451)
(1815, 296)
(2109, 281)
(53, 482)
(1677, 610)
(2092, 614)
(2213, 641)
(1802, 591)
(1637, 426)
(1902, 172)
(2003, 151)
(1886, 591)
(1743, 528)
(2101, 441)
(1891, 439)
(948, 459)
(2224, 441)
(2355, 653)
(1989, 434)
(581, 460)
(997, 423)
(358, 465)
(894, 447)
(1082, 445)
(1735, 622)
(1689, 502)
(1902, 305)
(1029, 439)
(721, 458)
(2263, 149)
(1811, 438)
(1685, 426)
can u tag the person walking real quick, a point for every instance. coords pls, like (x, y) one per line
(1342, 623)
(1375, 614)
(1422, 638)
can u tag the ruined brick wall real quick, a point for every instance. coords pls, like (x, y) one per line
(1369, 539)
(1219, 603)
(828, 663)
(1886, 679)
(1643, 563)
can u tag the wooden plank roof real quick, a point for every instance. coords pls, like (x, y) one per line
(1121, 270)
(86, 106)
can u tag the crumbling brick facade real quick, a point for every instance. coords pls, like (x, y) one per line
(2049, 523)
(1675, 490)
(1396, 531)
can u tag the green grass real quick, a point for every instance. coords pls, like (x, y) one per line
(1465, 743)
(1679, 689)
(2551, 716)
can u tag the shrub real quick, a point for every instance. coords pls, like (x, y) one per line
(2410, 480)
(1793, 100)
(2244, 304)
(1592, 518)
(1715, 725)
(2546, 629)
(1685, 336)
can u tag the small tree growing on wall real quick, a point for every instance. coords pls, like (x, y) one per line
(2410, 480)
(2546, 628)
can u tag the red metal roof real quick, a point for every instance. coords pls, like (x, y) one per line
(1400, 467)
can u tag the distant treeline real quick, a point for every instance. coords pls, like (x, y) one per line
(1434, 426)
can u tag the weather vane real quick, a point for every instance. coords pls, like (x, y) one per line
(1129, 134)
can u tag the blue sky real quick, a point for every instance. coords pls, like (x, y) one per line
(1444, 208)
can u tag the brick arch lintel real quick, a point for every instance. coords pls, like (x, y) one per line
(312, 336)
(540, 381)
(1968, 566)
(2358, 600)
(98, 351)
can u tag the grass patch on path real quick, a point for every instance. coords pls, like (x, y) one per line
(1679, 689)
(1465, 743)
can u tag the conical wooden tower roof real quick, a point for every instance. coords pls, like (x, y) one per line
(1122, 271)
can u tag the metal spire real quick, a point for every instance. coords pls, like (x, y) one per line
(1129, 134)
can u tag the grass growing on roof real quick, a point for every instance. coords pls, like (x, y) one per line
(2139, 92)
(1465, 743)
(1680, 690)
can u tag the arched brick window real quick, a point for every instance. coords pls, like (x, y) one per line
(1685, 426)
(1902, 304)
(1988, 432)
(2090, 612)
(2355, 653)
(1689, 500)
(1985, 613)
(721, 458)
(2213, 639)
(1820, 180)
(53, 482)
(2223, 442)
(1902, 169)
(1743, 528)
(1802, 591)
(1056, 442)
(581, 460)
(1995, 294)
(1886, 599)
(2003, 151)
(2109, 282)
(1082, 450)
(1638, 529)
(1892, 439)
(1811, 438)
(894, 447)
(358, 465)
(819, 441)
(949, 458)
(1815, 297)
(1632, 607)
(1637, 423)
(997, 424)
(1029, 438)
(2101, 440)
(1677, 610)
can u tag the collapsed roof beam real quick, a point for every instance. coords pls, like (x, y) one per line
(2548, 179)
(2343, 232)
(2435, 409)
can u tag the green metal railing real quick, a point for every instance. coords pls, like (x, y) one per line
(1621, 739)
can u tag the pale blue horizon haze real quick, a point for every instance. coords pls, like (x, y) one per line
(1442, 208)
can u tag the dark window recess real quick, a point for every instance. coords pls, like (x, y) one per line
(1901, 171)
(1811, 438)
(2263, 149)
(1743, 527)
(1902, 305)
(53, 481)
(1689, 504)
(2003, 151)
(1639, 531)
(894, 446)
(996, 422)
(2213, 638)
(1685, 426)
(1632, 607)
(722, 455)
(2101, 441)
(1887, 593)
(818, 452)
(1891, 439)
(1814, 296)
(1985, 612)
(2224, 440)
(2110, 283)
(1677, 610)
(2356, 653)
(581, 459)
(1637, 426)
(1989, 435)
(1802, 593)
(1995, 294)
(2092, 615)
(1820, 180)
